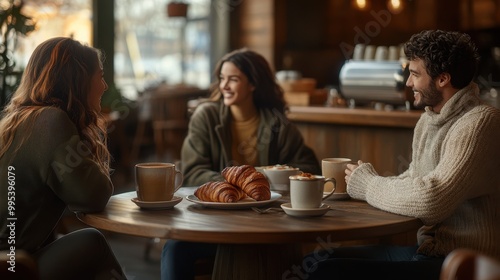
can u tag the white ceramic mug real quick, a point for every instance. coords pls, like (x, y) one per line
(369, 52)
(359, 52)
(381, 53)
(393, 53)
(307, 192)
(278, 176)
(156, 181)
(335, 168)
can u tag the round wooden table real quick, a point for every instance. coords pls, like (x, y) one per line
(251, 245)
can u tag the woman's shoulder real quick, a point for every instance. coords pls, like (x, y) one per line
(51, 118)
(207, 108)
(272, 115)
(53, 113)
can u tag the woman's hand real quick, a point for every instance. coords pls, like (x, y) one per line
(350, 168)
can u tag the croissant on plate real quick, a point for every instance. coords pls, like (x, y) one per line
(252, 182)
(219, 192)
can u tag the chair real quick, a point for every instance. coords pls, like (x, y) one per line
(24, 265)
(166, 108)
(466, 264)
(169, 122)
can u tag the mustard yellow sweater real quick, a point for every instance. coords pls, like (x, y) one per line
(453, 181)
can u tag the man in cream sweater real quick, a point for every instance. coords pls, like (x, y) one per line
(453, 182)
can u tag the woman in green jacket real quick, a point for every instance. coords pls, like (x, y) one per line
(53, 156)
(243, 123)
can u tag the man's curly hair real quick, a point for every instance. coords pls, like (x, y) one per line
(445, 52)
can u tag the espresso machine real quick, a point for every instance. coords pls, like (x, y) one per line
(366, 82)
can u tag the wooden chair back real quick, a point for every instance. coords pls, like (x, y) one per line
(20, 266)
(466, 264)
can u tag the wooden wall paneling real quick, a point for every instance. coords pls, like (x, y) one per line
(388, 149)
(253, 27)
(280, 36)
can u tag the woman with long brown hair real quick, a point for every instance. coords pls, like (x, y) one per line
(53, 155)
(243, 123)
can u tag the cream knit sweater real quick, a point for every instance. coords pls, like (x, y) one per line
(453, 181)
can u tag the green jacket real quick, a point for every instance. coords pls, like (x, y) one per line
(207, 147)
(51, 170)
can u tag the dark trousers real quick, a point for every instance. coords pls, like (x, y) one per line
(368, 262)
(82, 254)
(179, 257)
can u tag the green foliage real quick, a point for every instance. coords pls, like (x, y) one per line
(12, 25)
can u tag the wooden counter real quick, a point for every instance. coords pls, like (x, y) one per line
(346, 116)
(380, 137)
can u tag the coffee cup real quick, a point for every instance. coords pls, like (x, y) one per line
(381, 53)
(156, 181)
(335, 168)
(307, 191)
(369, 52)
(278, 176)
(359, 52)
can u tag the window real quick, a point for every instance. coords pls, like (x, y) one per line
(151, 47)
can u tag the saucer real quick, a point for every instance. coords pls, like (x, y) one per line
(157, 205)
(287, 207)
(338, 196)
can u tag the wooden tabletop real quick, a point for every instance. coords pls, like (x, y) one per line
(349, 220)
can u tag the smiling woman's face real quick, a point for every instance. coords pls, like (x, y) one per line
(234, 85)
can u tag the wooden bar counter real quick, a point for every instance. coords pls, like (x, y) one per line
(382, 138)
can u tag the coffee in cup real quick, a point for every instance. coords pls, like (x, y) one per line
(156, 181)
(278, 176)
(307, 191)
(335, 168)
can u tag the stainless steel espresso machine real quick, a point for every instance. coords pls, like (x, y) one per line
(366, 82)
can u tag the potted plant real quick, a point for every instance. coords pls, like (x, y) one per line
(177, 9)
(12, 24)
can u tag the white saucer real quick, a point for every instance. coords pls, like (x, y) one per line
(287, 207)
(338, 196)
(157, 205)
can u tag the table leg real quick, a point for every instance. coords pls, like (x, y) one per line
(255, 261)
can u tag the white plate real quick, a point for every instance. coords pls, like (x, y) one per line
(287, 207)
(157, 205)
(242, 204)
(337, 196)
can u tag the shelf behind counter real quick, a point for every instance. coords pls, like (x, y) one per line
(382, 138)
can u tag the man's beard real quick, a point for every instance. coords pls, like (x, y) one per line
(429, 96)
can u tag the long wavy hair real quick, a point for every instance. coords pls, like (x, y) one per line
(267, 93)
(59, 74)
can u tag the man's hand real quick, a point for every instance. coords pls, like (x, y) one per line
(350, 168)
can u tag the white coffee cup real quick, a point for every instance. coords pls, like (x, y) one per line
(156, 181)
(335, 168)
(278, 176)
(369, 52)
(359, 52)
(381, 53)
(393, 53)
(307, 191)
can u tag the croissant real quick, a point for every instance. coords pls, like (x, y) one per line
(252, 182)
(219, 192)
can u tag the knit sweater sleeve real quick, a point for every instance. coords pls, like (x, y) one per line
(469, 160)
